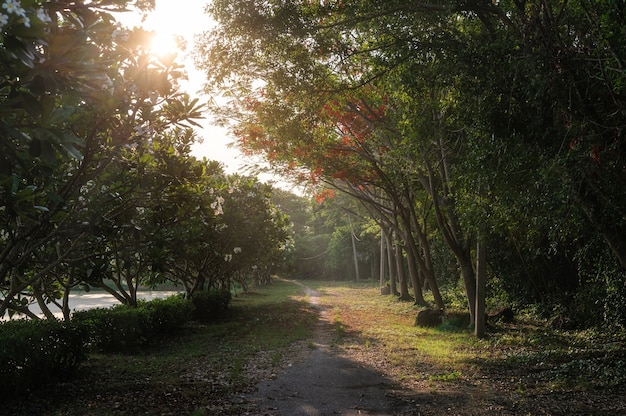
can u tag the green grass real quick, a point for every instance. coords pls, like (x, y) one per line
(192, 374)
(201, 371)
(367, 321)
(528, 351)
(455, 375)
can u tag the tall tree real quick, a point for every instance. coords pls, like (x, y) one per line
(477, 96)
(77, 90)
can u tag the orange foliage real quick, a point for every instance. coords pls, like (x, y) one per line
(324, 195)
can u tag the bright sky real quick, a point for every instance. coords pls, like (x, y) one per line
(171, 18)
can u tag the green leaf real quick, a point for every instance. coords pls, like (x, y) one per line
(72, 151)
(15, 183)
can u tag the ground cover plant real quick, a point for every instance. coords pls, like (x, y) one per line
(523, 368)
(199, 371)
(520, 368)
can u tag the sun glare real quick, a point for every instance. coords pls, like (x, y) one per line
(166, 45)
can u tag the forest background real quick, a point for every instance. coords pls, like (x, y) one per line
(433, 126)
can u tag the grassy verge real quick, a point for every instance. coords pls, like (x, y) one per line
(525, 367)
(198, 373)
(521, 368)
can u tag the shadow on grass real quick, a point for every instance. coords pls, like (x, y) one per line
(203, 367)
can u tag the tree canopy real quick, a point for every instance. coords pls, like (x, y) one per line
(503, 118)
(97, 184)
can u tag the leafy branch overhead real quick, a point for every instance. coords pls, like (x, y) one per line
(97, 184)
(446, 120)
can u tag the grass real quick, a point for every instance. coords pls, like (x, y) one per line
(205, 369)
(455, 375)
(366, 320)
(192, 374)
(527, 351)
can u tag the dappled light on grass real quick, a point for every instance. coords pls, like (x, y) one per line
(207, 370)
(374, 322)
(515, 361)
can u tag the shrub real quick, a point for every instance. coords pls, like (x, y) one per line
(127, 329)
(169, 315)
(211, 306)
(36, 352)
(118, 329)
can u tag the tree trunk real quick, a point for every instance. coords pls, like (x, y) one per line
(354, 252)
(390, 263)
(422, 255)
(469, 280)
(65, 305)
(481, 280)
(418, 294)
(450, 228)
(404, 287)
(374, 266)
(382, 258)
(38, 293)
(428, 269)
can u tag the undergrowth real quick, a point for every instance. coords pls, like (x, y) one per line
(207, 368)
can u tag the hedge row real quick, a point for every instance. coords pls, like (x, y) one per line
(211, 306)
(36, 352)
(125, 329)
(33, 353)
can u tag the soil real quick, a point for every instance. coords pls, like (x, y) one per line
(326, 381)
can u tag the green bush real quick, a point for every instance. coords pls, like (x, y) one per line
(118, 329)
(211, 306)
(127, 329)
(169, 315)
(36, 352)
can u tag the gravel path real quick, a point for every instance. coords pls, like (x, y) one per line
(326, 382)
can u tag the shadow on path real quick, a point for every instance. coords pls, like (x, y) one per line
(325, 383)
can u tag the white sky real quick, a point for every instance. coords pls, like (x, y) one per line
(172, 18)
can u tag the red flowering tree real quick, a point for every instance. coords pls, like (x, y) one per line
(481, 102)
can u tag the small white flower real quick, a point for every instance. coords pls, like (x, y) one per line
(43, 16)
(4, 19)
(237, 250)
(12, 6)
(228, 257)
(26, 21)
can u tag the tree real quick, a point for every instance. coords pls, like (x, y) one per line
(78, 89)
(474, 96)
(256, 231)
(340, 134)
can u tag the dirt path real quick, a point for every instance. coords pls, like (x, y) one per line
(326, 382)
